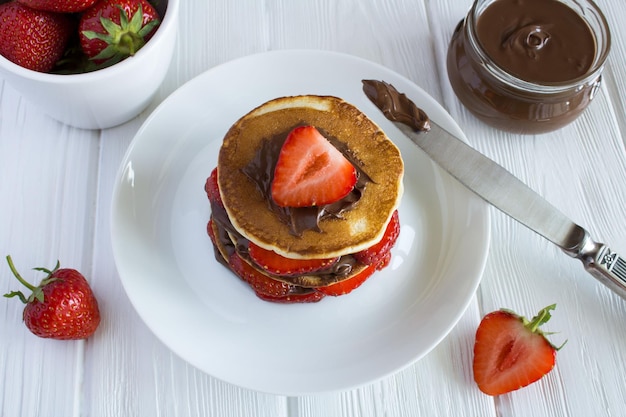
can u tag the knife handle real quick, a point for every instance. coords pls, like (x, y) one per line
(605, 265)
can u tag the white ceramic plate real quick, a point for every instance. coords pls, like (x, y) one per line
(213, 320)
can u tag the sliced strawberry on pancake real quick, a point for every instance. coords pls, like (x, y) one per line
(309, 297)
(346, 286)
(375, 254)
(260, 283)
(279, 265)
(310, 171)
(212, 189)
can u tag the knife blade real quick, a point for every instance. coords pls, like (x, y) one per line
(497, 186)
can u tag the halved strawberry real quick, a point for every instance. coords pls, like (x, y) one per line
(260, 283)
(511, 352)
(310, 171)
(210, 231)
(212, 189)
(348, 285)
(310, 297)
(374, 254)
(384, 262)
(279, 265)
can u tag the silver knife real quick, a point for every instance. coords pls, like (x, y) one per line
(498, 186)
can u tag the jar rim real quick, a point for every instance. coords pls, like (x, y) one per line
(602, 49)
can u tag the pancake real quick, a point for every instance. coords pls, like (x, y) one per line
(353, 230)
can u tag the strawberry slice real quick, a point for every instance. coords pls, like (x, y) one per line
(309, 297)
(210, 231)
(511, 352)
(375, 254)
(348, 285)
(310, 171)
(260, 283)
(384, 262)
(212, 189)
(279, 265)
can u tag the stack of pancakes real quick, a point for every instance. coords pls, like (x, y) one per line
(246, 212)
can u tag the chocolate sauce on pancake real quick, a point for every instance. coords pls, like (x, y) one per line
(260, 170)
(541, 41)
(226, 233)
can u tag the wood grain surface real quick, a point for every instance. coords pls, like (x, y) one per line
(56, 185)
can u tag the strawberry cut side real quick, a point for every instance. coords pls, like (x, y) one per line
(310, 171)
(511, 352)
(279, 265)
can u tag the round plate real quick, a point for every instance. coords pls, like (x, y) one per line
(213, 320)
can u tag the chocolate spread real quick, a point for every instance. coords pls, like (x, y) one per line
(261, 172)
(527, 66)
(396, 106)
(541, 41)
(227, 233)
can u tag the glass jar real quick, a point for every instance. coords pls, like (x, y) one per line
(513, 104)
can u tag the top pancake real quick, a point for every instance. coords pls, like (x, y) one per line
(361, 227)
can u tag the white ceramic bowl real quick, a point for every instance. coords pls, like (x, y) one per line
(106, 97)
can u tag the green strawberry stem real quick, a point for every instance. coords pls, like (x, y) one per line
(37, 292)
(541, 318)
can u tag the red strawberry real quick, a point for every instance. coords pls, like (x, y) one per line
(348, 285)
(212, 189)
(384, 262)
(60, 6)
(309, 297)
(61, 307)
(376, 253)
(310, 171)
(210, 231)
(279, 265)
(511, 352)
(112, 30)
(259, 282)
(33, 39)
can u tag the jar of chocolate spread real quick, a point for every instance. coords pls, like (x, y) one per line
(528, 66)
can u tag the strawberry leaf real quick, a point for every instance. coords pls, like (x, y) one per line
(18, 294)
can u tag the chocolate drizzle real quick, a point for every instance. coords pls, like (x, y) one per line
(260, 171)
(396, 106)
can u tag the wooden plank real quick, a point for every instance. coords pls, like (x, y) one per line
(47, 197)
(526, 273)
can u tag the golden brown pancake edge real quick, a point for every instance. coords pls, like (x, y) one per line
(361, 227)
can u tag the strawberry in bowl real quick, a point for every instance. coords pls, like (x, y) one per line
(31, 38)
(113, 30)
(75, 84)
(59, 6)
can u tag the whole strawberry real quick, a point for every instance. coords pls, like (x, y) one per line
(511, 352)
(59, 6)
(112, 30)
(61, 307)
(33, 39)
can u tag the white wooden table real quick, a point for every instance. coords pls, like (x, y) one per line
(56, 184)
